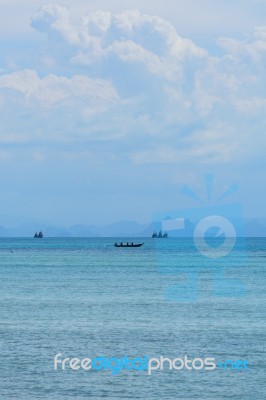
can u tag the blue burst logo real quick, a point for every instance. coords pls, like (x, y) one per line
(208, 238)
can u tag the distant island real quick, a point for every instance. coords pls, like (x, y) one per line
(252, 227)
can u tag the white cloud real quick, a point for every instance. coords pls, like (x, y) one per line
(53, 90)
(130, 35)
(205, 147)
(53, 18)
(130, 76)
(254, 46)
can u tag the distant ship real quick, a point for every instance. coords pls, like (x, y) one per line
(160, 235)
(38, 235)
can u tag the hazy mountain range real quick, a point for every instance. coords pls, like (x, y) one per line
(252, 228)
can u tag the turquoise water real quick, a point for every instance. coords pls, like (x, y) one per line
(86, 298)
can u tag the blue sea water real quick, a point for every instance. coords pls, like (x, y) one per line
(83, 297)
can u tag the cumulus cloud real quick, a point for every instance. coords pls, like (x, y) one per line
(254, 46)
(136, 79)
(53, 90)
(55, 19)
(130, 36)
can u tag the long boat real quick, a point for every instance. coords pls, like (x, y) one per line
(128, 244)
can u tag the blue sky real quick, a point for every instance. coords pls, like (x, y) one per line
(108, 110)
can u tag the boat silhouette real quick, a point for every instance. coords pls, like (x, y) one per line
(128, 244)
(38, 235)
(160, 235)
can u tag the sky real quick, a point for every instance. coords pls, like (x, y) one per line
(108, 108)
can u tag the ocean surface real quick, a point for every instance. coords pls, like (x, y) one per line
(83, 297)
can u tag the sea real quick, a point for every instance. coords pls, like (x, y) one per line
(84, 298)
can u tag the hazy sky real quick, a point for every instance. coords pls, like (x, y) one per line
(108, 108)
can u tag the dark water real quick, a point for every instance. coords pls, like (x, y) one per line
(85, 298)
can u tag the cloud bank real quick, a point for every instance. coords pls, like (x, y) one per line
(129, 79)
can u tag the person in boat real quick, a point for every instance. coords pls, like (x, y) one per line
(121, 243)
